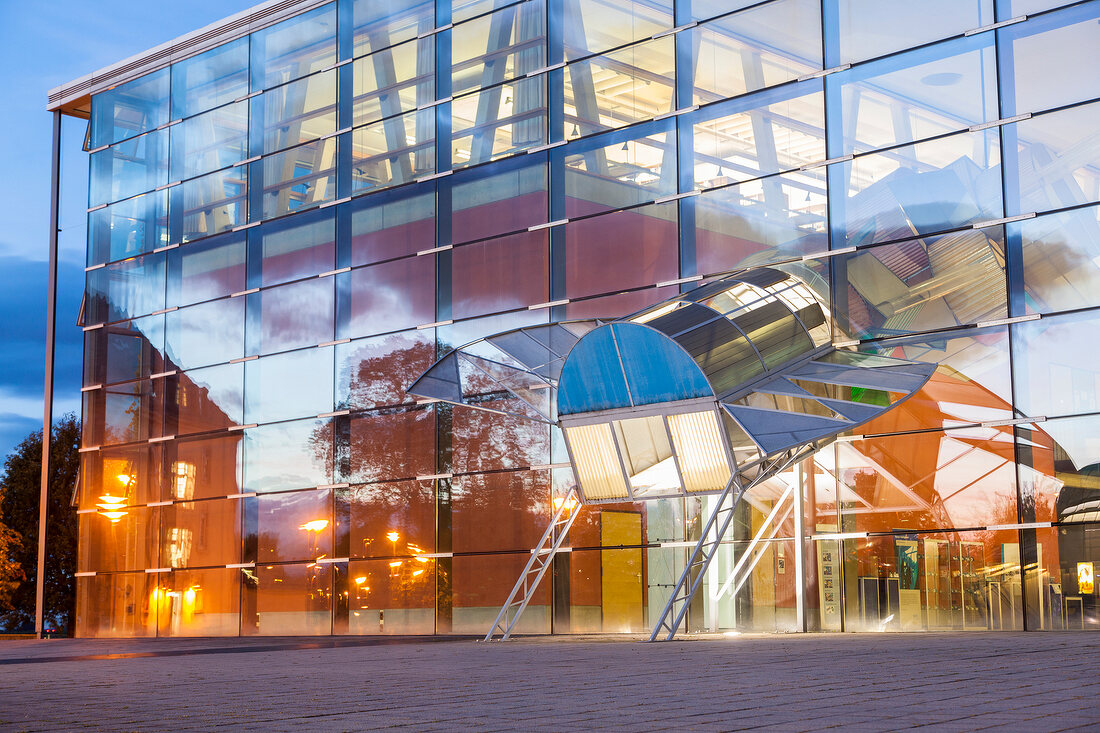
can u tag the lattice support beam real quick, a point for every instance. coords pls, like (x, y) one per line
(711, 538)
(542, 558)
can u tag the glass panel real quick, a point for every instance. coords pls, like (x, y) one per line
(591, 26)
(209, 141)
(289, 455)
(966, 581)
(205, 334)
(392, 520)
(761, 47)
(291, 526)
(1042, 59)
(647, 455)
(201, 603)
(375, 372)
(393, 151)
(210, 79)
(929, 480)
(295, 315)
(1057, 160)
(393, 81)
(126, 351)
(298, 247)
(507, 198)
(129, 109)
(124, 413)
(392, 596)
(287, 600)
(210, 205)
(205, 468)
(392, 296)
(300, 111)
(870, 28)
(206, 270)
(620, 88)
(933, 186)
(295, 47)
(198, 533)
(761, 221)
(209, 399)
(392, 225)
(622, 304)
(480, 585)
(1061, 259)
(1061, 586)
(390, 444)
(498, 121)
(137, 165)
(703, 9)
(376, 25)
(1055, 367)
(1012, 8)
(973, 383)
(126, 289)
(759, 135)
(1057, 469)
(502, 45)
(115, 540)
(918, 94)
(479, 522)
(128, 228)
(924, 284)
(299, 178)
(127, 475)
(500, 274)
(621, 250)
(113, 606)
(284, 386)
(602, 175)
(483, 441)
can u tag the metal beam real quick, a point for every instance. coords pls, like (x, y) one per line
(542, 557)
(47, 398)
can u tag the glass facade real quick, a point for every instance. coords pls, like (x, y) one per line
(285, 231)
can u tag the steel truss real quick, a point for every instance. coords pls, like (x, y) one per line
(711, 538)
(541, 559)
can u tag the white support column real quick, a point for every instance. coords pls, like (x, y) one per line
(799, 548)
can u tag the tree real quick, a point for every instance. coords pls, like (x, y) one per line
(19, 492)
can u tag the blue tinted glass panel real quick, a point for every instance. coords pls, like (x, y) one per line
(209, 141)
(927, 92)
(210, 79)
(1056, 160)
(295, 47)
(498, 121)
(210, 204)
(125, 289)
(760, 47)
(129, 109)
(289, 455)
(393, 80)
(870, 28)
(1055, 367)
(393, 151)
(1043, 58)
(1061, 259)
(133, 166)
(502, 45)
(292, 385)
(206, 270)
(205, 334)
(933, 186)
(377, 25)
(128, 228)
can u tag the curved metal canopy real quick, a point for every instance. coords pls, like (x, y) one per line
(743, 365)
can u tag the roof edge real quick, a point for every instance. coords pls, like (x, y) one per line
(69, 96)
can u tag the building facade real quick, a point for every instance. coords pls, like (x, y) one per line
(293, 213)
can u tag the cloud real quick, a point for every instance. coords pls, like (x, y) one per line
(13, 428)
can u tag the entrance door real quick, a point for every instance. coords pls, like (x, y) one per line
(621, 571)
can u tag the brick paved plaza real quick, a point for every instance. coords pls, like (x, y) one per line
(1030, 682)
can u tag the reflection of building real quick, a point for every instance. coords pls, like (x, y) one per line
(294, 212)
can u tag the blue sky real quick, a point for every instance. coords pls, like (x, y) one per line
(43, 45)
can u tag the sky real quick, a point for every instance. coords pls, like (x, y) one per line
(44, 45)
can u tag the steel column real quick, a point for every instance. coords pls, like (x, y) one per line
(47, 409)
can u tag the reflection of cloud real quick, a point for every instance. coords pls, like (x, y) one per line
(13, 428)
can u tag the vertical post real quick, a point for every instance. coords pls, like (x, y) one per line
(800, 543)
(47, 410)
